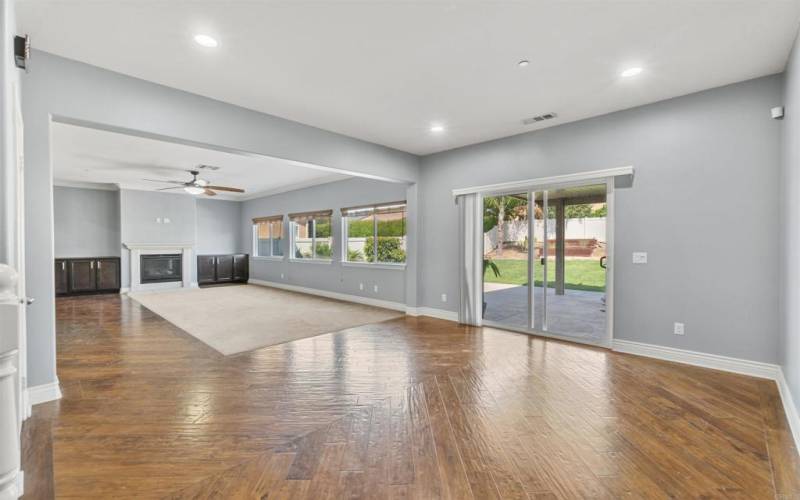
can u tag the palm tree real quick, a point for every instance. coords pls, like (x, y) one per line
(500, 209)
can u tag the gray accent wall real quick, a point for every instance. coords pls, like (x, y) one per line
(219, 228)
(86, 222)
(334, 276)
(790, 228)
(703, 205)
(69, 91)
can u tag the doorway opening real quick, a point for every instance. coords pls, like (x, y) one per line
(545, 261)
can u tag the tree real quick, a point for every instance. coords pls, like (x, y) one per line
(500, 209)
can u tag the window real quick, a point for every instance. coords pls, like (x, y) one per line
(268, 236)
(376, 233)
(311, 235)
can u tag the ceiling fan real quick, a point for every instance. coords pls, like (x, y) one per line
(197, 186)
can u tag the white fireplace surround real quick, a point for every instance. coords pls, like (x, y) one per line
(139, 249)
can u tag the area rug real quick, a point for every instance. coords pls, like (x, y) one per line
(233, 319)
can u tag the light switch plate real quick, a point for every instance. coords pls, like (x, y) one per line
(361, 286)
(678, 329)
(375, 288)
(444, 297)
(640, 257)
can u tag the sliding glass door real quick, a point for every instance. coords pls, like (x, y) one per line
(545, 261)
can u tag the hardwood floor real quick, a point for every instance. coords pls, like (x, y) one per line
(408, 408)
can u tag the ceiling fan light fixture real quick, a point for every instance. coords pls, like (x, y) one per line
(194, 190)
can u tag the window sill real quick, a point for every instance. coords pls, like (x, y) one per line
(264, 257)
(312, 261)
(369, 265)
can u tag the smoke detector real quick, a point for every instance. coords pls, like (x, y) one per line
(539, 118)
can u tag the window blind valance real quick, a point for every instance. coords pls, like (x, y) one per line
(271, 218)
(381, 208)
(311, 215)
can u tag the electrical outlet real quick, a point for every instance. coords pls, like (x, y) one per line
(166, 220)
(678, 329)
(361, 286)
(444, 297)
(640, 257)
(375, 288)
(158, 220)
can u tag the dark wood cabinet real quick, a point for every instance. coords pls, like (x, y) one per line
(224, 268)
(87, 275)
(206, 269)
(81, 275)
(107, 272)
(61, 277)
(215, 269)
(241, 267)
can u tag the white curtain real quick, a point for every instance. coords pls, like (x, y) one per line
(470, 269)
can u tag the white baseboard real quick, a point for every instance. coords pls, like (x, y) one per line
(124, 290)
(735, 365)
(43, 393)
(789, 407)
(386, 304)
(433, 313)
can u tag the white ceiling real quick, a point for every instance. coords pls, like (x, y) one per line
(385, 71)
(85, 155)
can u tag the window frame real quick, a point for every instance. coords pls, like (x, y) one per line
(268, 221)
(310, 216)
(374, 208)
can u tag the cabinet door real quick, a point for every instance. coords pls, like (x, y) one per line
(205, 269)
(107, 274)
(224, 268)
(240, 267)
(81, 275)
(62, 284)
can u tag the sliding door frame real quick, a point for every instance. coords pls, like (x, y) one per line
(543, 186)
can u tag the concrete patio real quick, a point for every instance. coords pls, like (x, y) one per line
(577, 313)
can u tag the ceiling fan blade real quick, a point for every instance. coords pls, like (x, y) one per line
(209, 192)
(224, 188)
(173, 187)
(165, 182)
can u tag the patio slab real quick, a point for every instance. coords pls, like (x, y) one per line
(577, 313)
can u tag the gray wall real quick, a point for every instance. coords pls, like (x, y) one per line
(86, 222)
(703, 205)
(333, 277)
(139, 213)
(58, 88)
(790, 228)
(219, 228)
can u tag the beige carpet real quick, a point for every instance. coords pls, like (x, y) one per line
(234, 319)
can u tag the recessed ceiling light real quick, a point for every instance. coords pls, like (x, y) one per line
(523, 63)
(437, 128)
(631, 72)
(206, 41)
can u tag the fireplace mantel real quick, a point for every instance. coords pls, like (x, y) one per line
(139, 249)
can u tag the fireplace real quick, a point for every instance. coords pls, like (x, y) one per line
(161, 268)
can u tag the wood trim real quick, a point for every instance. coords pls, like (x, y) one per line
(270, 218)
(315, 213)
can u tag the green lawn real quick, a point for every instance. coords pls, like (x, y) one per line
(580, 274)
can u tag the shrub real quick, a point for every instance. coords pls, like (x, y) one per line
(389, 249)
(354, 255)
(323, 250)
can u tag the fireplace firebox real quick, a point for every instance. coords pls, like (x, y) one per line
(161, 268)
